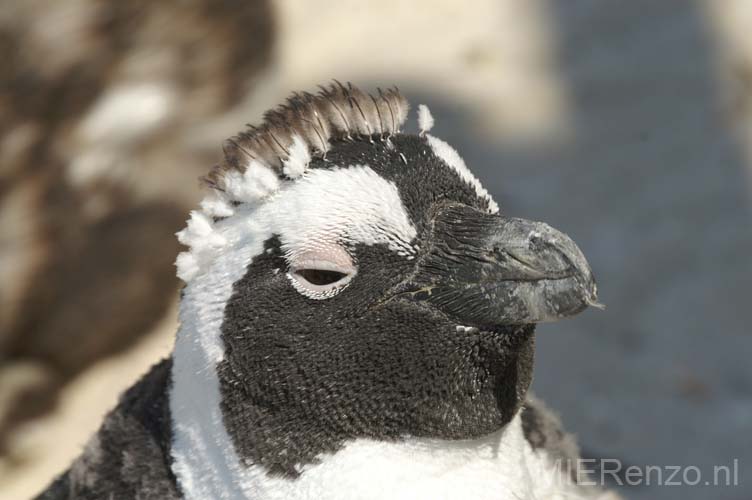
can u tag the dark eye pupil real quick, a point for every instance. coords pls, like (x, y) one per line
(320, 276)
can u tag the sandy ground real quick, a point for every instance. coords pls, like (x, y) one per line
(624, 123)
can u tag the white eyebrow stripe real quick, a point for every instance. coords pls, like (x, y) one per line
(352, 204)
(322, 207)
(452, 158)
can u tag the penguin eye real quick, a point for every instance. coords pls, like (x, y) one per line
(321, 274)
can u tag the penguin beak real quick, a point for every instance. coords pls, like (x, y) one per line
(485, 270)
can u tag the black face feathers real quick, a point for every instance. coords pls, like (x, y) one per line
(302, 377)
(436, 342)
(307, 376)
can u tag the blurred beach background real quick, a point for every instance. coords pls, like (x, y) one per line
(626, 124)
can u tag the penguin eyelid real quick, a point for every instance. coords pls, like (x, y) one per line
(321, 274)
(319, 283)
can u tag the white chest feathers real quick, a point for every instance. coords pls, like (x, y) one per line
(499, 466)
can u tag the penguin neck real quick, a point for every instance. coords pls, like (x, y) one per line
(501, 465)
(204, 460)
(207, 464)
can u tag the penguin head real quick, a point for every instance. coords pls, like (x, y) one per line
(346, 281)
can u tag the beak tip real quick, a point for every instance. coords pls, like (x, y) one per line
(596, 304)
(591, 299)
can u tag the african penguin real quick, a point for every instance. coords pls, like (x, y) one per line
(357, 323)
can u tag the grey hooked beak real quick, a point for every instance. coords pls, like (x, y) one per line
(486, 270)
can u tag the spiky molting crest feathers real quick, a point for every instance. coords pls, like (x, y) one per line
(304, 126)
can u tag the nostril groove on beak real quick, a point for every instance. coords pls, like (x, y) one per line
(492, 270)
(527, 265)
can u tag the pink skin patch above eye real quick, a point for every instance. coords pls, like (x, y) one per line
(324, 258)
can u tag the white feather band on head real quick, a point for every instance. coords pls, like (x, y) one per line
(203, 241)
(425, 119)
(258, 161)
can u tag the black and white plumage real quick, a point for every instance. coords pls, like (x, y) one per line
(358, 322)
